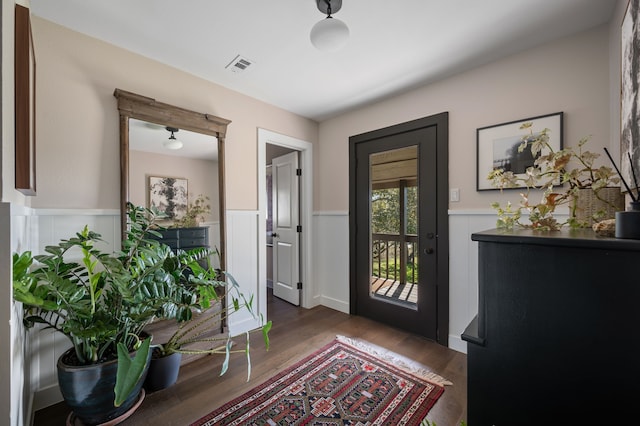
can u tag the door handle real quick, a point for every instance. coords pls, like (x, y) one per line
(274, 235)
(428, 250)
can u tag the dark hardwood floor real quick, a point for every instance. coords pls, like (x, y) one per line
(296, 333)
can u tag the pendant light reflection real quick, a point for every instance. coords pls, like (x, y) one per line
(172, 142)
(330, 34)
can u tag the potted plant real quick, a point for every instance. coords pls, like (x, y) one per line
(199, 330)
(102, 303)
(566, 177)
(196, 212)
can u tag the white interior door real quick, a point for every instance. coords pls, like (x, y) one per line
(286, 218)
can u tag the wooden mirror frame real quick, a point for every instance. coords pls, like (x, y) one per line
(131, 105)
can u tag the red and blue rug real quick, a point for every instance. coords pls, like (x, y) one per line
(348, 382)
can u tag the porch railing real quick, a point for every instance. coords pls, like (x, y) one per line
(394, 257)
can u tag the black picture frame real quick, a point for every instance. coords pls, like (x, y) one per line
(496, 146)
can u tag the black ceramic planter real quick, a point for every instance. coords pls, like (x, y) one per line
(163, 372)
(88, 390)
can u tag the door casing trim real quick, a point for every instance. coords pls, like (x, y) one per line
(307, 299)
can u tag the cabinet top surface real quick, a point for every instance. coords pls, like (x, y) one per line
(583, 237)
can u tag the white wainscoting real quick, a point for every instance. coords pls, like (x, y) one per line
(463, 270)
(14, 388)
(331, 263)
(242, 264)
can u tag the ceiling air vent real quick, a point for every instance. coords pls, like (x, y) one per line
(238, 64)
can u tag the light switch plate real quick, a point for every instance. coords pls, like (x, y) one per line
(454, 195)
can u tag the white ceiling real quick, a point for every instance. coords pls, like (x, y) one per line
(148, 137)
(394, 45)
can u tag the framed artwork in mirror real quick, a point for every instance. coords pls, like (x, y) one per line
(630, 92)
(497, 146)
(25, 104)
(169, 195)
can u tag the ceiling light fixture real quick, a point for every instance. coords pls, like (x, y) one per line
(172, 142)
(330, 34)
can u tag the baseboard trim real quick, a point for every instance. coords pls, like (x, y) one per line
(457, 344)
(45, 397)
(335, 304)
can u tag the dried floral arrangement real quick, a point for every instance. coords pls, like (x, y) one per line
(196, 212)
(560, 175)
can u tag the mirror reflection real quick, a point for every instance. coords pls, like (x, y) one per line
(162, 162)
(176, 171)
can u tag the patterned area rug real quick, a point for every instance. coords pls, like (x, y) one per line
(348, 382)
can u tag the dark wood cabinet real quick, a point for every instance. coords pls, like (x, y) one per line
(554, 340)
(185, 238)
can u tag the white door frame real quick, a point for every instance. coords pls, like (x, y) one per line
(307, 299)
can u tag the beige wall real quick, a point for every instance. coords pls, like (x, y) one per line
(201, 175)
(78, 153)
(570, 75)
(77, 117)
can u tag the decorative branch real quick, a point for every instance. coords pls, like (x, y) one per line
(633, 197)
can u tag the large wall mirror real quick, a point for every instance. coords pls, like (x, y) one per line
(162, 143)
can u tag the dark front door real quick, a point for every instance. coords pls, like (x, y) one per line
(399, 226)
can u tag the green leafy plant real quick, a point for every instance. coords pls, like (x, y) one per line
(201, 329)
(196, 212)
(559, 175)
(103, 301)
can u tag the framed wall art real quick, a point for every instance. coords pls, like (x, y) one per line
(169, 195)
(25, 104)
(630, 91)
(497, 146)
